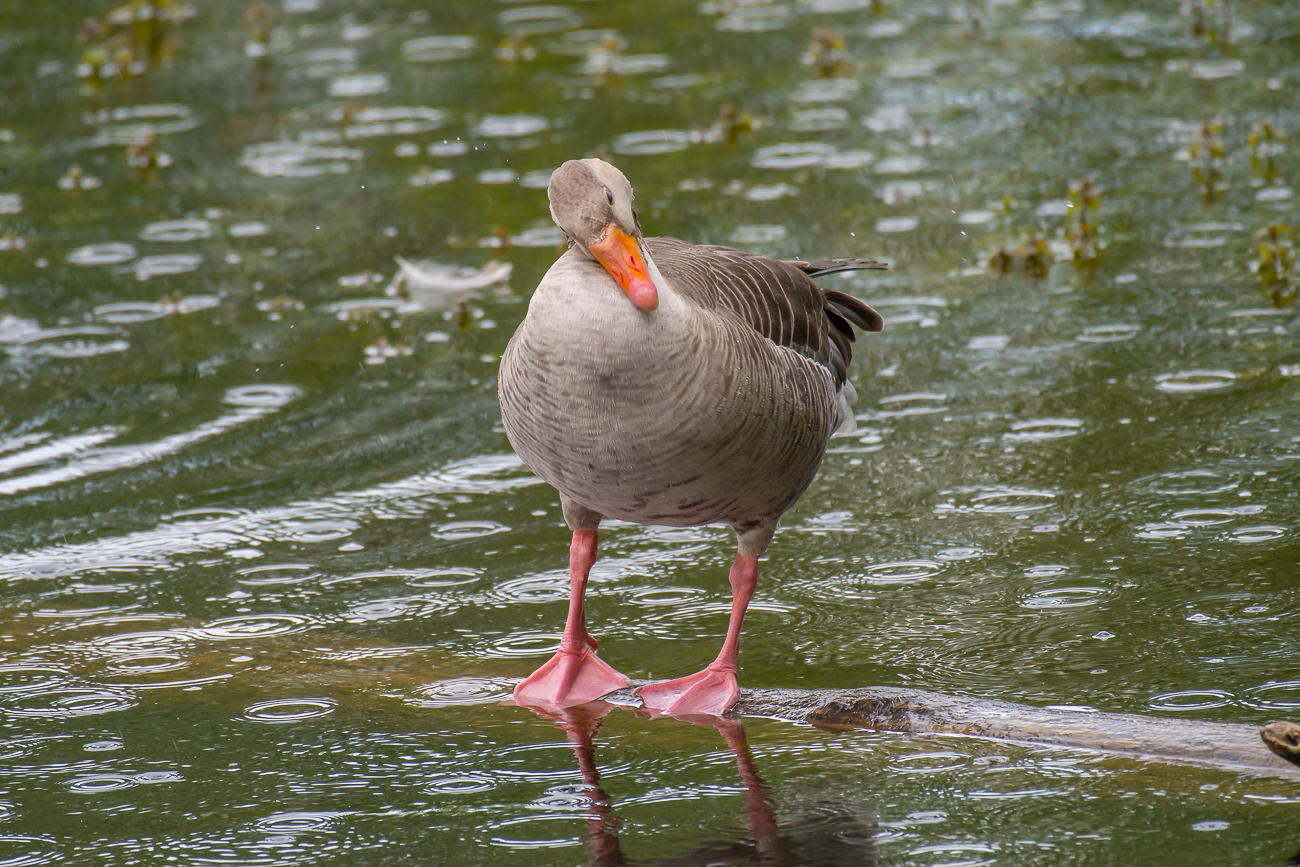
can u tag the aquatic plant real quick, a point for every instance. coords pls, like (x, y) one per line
(1206, 156)
(276, 308)
(1265, 141)
(428, 177)
(605, 58)
(145, 157)
(734, 123)
(500, 240)
(826, 52)
(1085, 245)
(76, 180)
(258, 19)
(515, 49)
(1211, 19)
(11, 241)
(379, 351)
(975, 12)
(1033, 257)
(131, 40)
(1276, 262)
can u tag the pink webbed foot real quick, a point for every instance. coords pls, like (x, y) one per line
(570, 678)
(712, 691)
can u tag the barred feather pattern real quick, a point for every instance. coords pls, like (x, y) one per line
(715, 408)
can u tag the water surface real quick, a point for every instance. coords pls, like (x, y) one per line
(270, 566)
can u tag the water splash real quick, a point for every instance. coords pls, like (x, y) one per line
(281, 711)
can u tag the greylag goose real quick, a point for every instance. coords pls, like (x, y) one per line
(662, 382)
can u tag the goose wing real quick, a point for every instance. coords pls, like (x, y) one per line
(777, 298)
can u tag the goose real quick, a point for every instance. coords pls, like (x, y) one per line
(667, 383)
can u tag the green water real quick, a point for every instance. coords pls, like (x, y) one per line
(269, 564)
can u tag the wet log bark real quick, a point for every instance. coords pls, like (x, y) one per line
(1189, 742)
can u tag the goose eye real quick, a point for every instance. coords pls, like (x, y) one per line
(609, 197)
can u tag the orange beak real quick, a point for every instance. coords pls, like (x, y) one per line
(621, 256)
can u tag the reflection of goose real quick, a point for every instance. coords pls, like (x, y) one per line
(704, 392)
(828, 835)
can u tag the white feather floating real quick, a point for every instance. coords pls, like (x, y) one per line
(429, 279)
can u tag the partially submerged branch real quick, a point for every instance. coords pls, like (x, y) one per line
(1207, 744)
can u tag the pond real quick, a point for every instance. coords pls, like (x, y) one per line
(270, 566)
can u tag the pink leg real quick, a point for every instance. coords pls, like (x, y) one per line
(574, 675)
(713, 690)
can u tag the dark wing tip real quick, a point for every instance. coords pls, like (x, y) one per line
(835, 266)
(854, 310)
(840, 324)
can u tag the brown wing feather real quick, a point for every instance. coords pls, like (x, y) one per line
(778, 299)
(854, 310)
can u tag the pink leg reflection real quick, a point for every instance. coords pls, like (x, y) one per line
(580, 724)
(758, 803)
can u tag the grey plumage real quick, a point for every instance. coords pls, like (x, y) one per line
(714, 408)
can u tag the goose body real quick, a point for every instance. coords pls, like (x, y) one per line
(681, 417)
(714, 405)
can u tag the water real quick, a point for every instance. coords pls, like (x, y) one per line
(271, 566)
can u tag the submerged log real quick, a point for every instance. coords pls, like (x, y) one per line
(1273, 750)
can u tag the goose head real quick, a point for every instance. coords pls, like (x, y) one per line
(591, 202)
